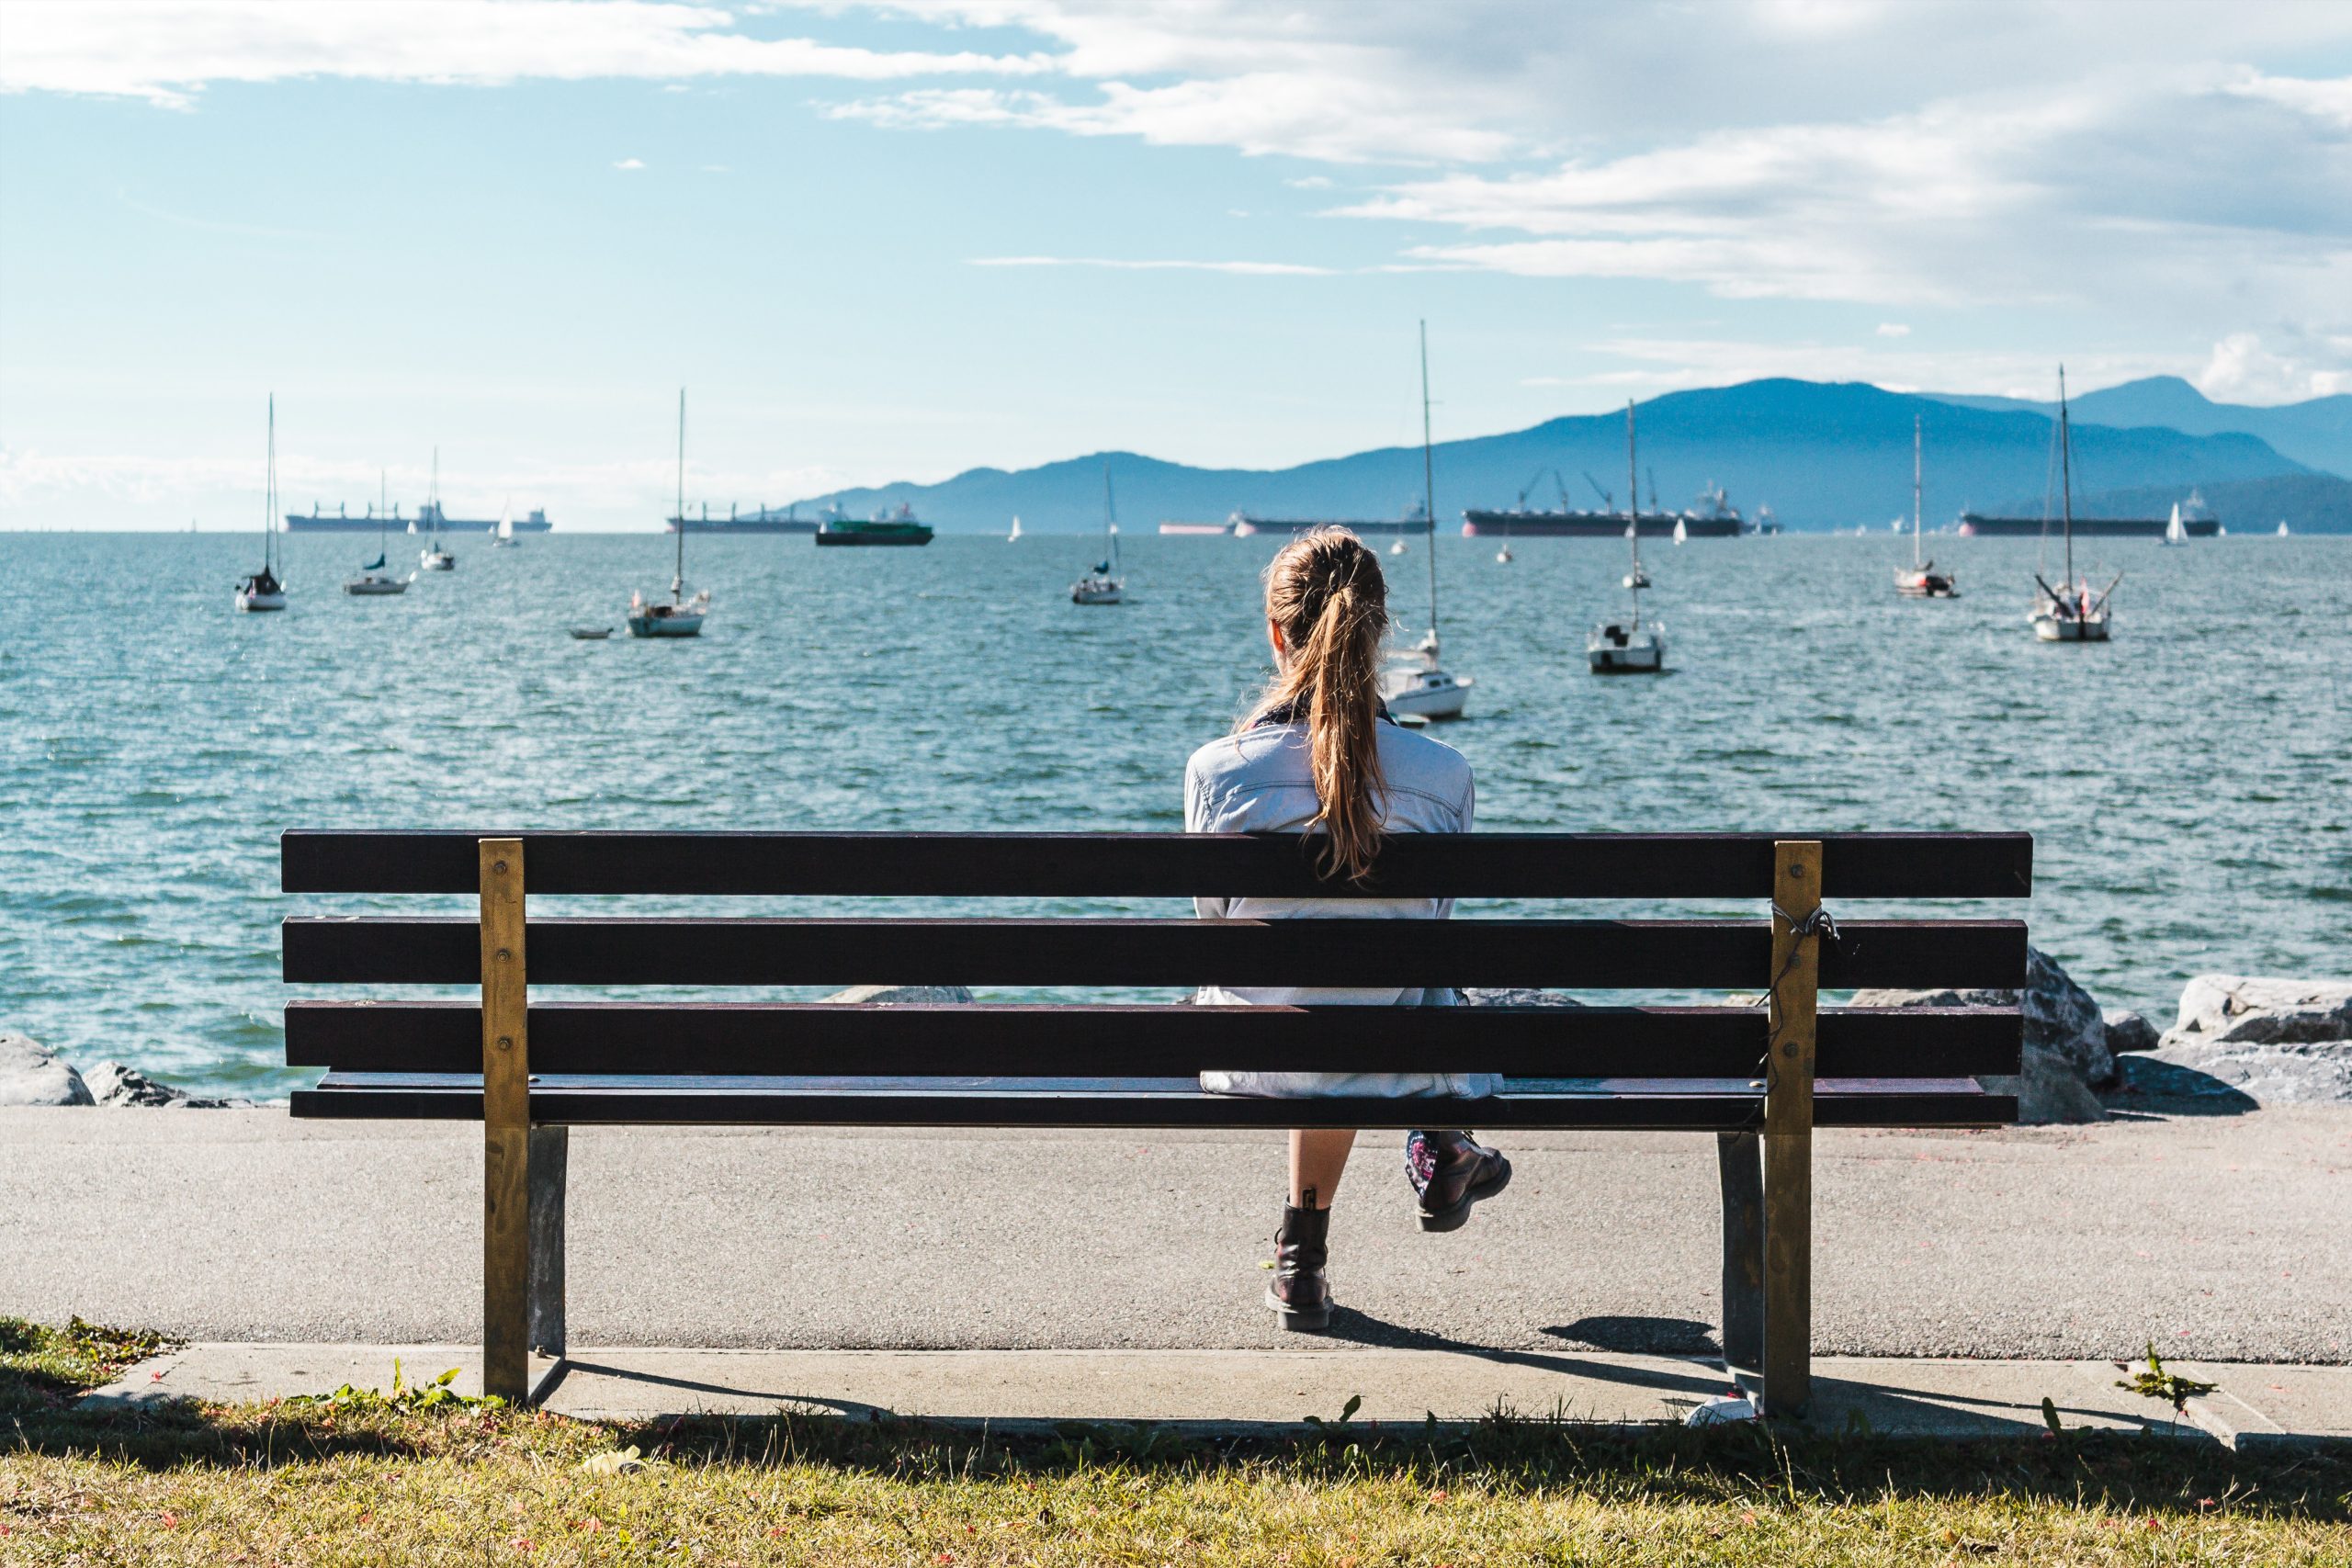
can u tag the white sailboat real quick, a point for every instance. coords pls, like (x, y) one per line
(1016, 529)
(1627, 646)
(680, 616)
(1103, 585)
(1922, 581)
(502, 536)
(374, 581)
(2175, 534)
(2071, 613)
(266, 590)
(1417, 684)
(2282, 527)
(435, 556)
(1682, 534)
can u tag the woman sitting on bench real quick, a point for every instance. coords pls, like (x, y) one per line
(1319, 752)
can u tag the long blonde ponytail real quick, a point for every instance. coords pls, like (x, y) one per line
(1324, 592)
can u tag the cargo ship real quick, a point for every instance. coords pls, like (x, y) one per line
(1712, 517)
(428, 518)
(2197, 521)
(895, 526)
(765, 520)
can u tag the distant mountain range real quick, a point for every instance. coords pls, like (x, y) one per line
(1821, 456)
(2318, 432)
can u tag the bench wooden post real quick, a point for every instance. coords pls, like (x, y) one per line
(506, 1127)
(1788, 1130)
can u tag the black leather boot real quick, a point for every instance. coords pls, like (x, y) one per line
(1451, 1173)
(1299, 1294)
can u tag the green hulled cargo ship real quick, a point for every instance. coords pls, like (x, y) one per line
(893, 527)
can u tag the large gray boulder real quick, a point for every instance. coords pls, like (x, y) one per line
(898, 996)
(113, 1083)
(2279, 1041)
(2128, 1031)
(2066, 1040)
(32, 1074)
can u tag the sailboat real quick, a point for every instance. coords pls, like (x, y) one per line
(1628, 648)
(1016, 529)
(373, 581)
(435, 556)
(2175, 534)
(265, 590)
(680, 616)
(2071, 612)
(2282, 527)
(1682, 533)
(1923, 580)
(1103, 585)
(502, 534)
(1417, 683)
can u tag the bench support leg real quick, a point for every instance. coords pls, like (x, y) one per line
(1739, 1164)
(1788, 1129)
(550, 1152)
(506, 1127)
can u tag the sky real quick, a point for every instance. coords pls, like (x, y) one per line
(896, 239)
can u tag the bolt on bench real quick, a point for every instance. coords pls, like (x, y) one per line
(1760, 1079)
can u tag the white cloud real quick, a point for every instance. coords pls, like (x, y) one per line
(166, 49)
(1894, 328)
(2243, 370)
(1310, 182)
(630, 163)
(1246, 268)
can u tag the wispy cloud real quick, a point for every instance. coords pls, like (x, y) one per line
(1246, 268)
(166, 51)
(1894, 328)
(630, 163)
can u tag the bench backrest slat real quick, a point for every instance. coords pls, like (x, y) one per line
(1070, 1040)
(1475, 865)
(1678, 955)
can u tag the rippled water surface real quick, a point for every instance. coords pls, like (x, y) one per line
(2187, 784)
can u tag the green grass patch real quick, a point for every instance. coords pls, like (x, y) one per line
(43, 1369)
(364, 1482)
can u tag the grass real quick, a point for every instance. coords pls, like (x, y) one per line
(373, 1481)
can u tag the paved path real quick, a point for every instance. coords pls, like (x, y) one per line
(2254, 1406)
(2222, 1239)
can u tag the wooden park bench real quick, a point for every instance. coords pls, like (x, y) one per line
(1759, 1077)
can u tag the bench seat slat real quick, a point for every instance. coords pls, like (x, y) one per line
(789, 1038)
(1628, 954)
(1621, 1103)
(1477, 865)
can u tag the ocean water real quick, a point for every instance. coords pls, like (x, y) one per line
(2189, 785)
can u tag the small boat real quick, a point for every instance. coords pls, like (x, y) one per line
(1628, 647)
(1397, 549)
(374, 581)
(1103, 585)
(2282, 527)
(591, 633)
(1923, 580)
(1016, 529)
(1416, 684)
(2175, 533)
(265, 590)
(1681, 531)
(680, 616)
(503, 536)
(2074, 614)
(433, 557)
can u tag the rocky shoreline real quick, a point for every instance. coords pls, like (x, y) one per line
(2238, 1042)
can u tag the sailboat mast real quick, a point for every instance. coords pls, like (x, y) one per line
(678, 577)
(1110, 518)
(1633, 513)
(2066, 476)
(436, 529)
(269, 485)
(1914, 493)
(1429, 481)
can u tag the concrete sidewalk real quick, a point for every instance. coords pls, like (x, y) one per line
(2255, 1405)
(2222, 1239)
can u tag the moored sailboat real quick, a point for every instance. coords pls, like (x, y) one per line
(680, 616)
(266, 590)
(2175, 533)
(1627, 646)
(1417, 684)
(1922, 581)
(1103, 585)
(435, 556)
(375, 581)
(2072, 613)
